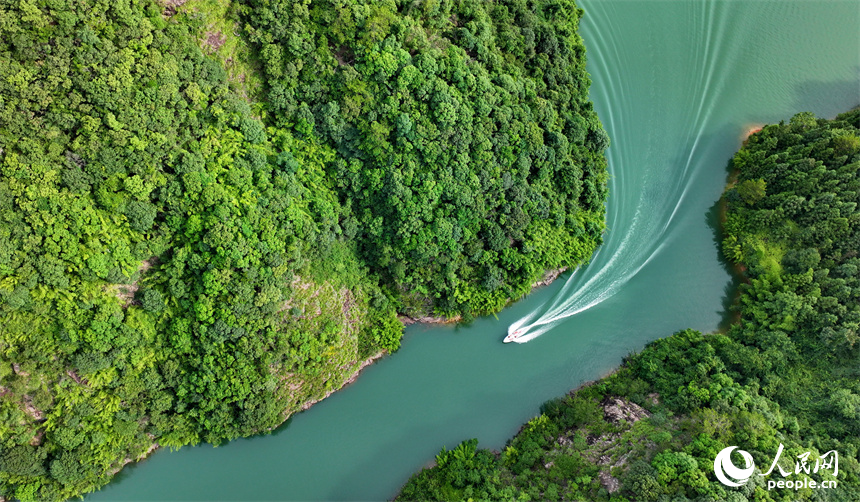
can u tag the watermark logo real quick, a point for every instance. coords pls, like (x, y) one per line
(731, 475)
(726, 470)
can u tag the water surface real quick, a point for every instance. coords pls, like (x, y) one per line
(675, 83)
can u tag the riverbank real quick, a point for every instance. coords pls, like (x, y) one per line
(287, 413)
(750, 130)
(350, 379)
(548, 277)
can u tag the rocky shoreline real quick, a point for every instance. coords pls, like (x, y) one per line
(549, 276)
(408, 321)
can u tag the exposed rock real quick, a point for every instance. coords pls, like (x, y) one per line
(125, 292)
(37, 439)
(406, 320)
(653, 399)
(602, 440)
(35, 413)
(611, 484)
(623, 460)
(750, 130)
(548, 277)
(74, 376)
(171, 6)
(128, 460)
(212, 41)
(615, 410)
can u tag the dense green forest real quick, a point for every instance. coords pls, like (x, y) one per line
(786, 372)
(466, 147)
(211, 213)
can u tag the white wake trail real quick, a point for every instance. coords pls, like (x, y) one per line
(624, 255)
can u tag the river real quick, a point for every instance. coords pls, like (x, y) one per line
(676, 84)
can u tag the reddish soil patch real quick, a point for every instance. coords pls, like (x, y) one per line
(750, 130)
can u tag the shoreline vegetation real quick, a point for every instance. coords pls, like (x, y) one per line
(783, 375)
(212, 211)
(350, 379)
(548, 278)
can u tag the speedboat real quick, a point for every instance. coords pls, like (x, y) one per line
(513, 335)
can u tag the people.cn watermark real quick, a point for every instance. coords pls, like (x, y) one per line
(731, 475)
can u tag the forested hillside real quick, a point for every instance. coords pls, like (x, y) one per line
(466, 146)
(212, 213)
(785, 373)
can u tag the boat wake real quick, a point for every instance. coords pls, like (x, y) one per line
(658, 160)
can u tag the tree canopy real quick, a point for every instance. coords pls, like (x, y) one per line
(466, 146)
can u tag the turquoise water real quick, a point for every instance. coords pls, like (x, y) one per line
(676, 84)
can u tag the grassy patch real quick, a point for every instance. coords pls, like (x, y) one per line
(766, 254)
(219, 34)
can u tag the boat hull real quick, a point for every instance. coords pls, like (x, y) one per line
(517, 336)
